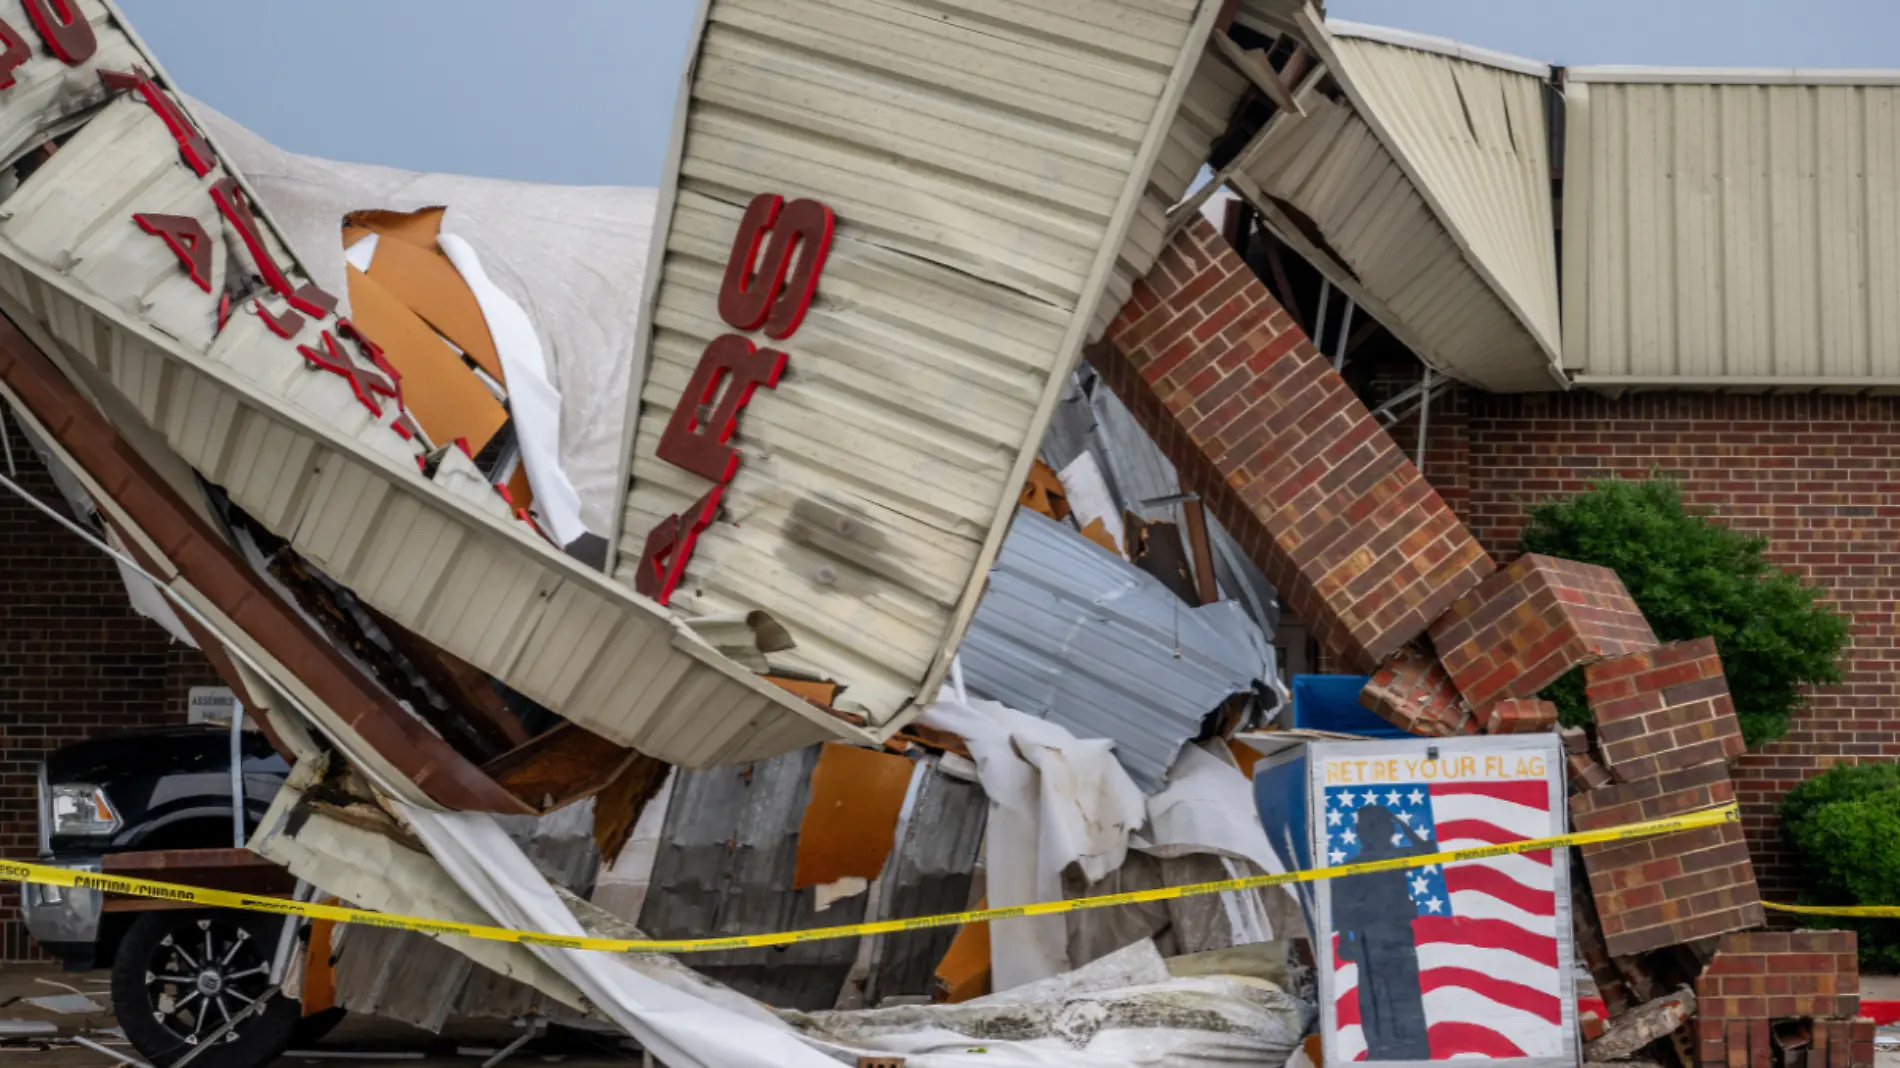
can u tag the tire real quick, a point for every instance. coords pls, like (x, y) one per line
(159, 1016)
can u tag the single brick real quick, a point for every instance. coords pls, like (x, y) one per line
(1358, 544)
(1591, 1025)
(1411, 691)
(1520, 715)
(1586, 773)
(1531, 622)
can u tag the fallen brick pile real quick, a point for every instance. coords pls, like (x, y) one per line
(1385, 575)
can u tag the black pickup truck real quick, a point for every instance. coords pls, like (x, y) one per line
(158, 804)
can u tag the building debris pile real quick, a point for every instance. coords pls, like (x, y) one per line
(938, 564)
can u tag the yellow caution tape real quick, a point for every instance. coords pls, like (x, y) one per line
(50, 876)
(1888, 911)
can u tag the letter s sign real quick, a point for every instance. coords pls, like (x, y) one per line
(772, 293)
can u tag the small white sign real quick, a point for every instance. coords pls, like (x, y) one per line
(211, 704)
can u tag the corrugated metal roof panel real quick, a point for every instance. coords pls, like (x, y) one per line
(1075, 634)
(1213, 94)
(1433, 188)
(1330, 188)
(1734, 235)
(1475, 137)
(728, 852)
(986, 160)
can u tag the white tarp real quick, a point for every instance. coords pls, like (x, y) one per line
(572, 257)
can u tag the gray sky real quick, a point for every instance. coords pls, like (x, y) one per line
(581, 91)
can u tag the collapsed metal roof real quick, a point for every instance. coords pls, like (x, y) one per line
(1073, 633)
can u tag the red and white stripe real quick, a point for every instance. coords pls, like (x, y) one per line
(1490, 969)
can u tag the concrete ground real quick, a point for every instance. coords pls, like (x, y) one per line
(357, 1041)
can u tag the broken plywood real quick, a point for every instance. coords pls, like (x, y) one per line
(856, 797)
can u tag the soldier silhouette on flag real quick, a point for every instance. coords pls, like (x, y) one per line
(1373, 915)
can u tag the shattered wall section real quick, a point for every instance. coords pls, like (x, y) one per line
(1254, 418)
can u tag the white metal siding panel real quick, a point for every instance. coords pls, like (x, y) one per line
(294, 448)
(979, 155)
(1393, 253)
(1212, 95)
(1734, 234)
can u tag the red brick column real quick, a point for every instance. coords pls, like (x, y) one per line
(1359, 545)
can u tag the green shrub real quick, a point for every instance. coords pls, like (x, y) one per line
(1845, 827)
(1693, 577)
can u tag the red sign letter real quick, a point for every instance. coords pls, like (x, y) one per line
(188, 241)
(191, 144)
(670, 545)
(65, 29)
(17, 52)
(774, 295)
(337, 362)
(700, 445)
(230, 201)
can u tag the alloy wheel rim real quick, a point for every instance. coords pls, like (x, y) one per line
(203, 975)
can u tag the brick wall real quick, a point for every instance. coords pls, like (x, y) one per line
(75, 662)
(1820, 476)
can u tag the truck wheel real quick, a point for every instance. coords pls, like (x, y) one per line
(179, 975)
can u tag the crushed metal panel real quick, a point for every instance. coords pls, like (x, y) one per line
(312, 455)
(725, 866)
(1073, 634)
(1092, 419)
(1333, 191)
(985, 167)
(1472, 131)
(931, 874)
(1732, 228)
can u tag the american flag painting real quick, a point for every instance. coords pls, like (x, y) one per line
(1439, 963)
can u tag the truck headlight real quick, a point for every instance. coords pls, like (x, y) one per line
(81, 810)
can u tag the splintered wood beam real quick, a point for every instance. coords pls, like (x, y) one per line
(618, 806)
(1194, 514)
(559, 767)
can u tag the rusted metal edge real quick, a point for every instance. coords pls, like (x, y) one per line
(204, 560)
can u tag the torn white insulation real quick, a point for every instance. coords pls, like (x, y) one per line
(1055, 800)
(1123, 1011)
(533, 401)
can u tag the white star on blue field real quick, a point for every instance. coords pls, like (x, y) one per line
(1411, 806)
